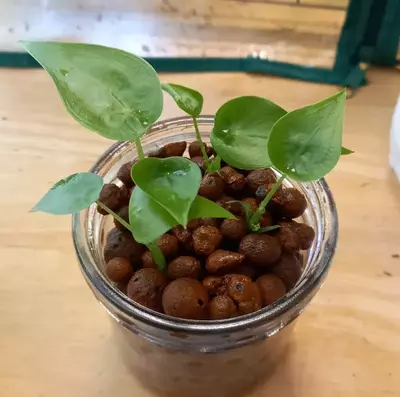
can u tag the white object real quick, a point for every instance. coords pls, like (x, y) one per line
(394, 156)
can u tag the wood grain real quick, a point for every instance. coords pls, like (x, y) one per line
(55, 339)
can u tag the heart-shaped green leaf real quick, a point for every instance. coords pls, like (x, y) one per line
(204, 208)
(71, 194)
(148, 219)
(107, 90)
(306, 144)
(241, 130)
(190, 101)
(345, 151)
(172, 182)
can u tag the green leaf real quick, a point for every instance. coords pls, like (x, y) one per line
(147, 218)
(107, 90)
(204, 208)
(71, 194)
(241, 130)
(344, 151)
(214, 165)
(267, 229)
(306, 144)
(190, 101)
(172, 182)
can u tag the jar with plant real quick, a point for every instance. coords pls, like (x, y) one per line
(204, 232)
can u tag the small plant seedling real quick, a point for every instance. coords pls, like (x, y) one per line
(191, 102)
(119, 96)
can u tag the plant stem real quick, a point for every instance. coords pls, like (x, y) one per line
(114, 215)
(261, 208)
(267, 229)
(198, 137)
(153, 247)
(157, 255)
(139, 149)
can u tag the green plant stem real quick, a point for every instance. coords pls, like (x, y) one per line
(202, 147)
(261, 208)
(267, 229)
(157, 255)
(114, 215)
(139, 149)
(153, 247)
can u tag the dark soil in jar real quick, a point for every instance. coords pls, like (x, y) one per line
(216, 269)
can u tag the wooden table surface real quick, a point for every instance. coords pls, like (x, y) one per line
(55, 340)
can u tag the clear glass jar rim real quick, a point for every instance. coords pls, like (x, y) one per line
(132, 310)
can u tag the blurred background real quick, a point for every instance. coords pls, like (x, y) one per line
(321, 40)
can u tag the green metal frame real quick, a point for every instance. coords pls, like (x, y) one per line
(370, 34)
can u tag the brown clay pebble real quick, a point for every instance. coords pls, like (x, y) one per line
(306, 235)
(206, 240)
(292, 203)
(212, 283)
(234, 229)
(273, 205)
(231, 205)
(124, 174)
(252, 202)
(235, 180)
(288, 268)
(121, 244)
(246, 270)
(119, 270)
(183, 235)
(221, 260)
(174, 149)
(295, 236)
(209, 222)
(221, 307)
(196, 223)
(124, 214)
(147, 260)
(271, 288)
(125, 196)
(185, 298)
(253, 301)
(184, 266)
(243, 291)
(257, 178)
(110, 196)
(199, 161)
(193, 224)
(146, 287)
(266, 219)
(195, 150)
(260, 249)
(168, 245)
(212, 186)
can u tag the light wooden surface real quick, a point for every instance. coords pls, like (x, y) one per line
(55, 339)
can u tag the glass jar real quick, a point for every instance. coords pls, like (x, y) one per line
(200, 358)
